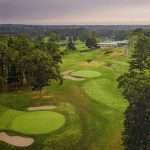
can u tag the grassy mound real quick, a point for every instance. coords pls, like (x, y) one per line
(39, 122)
(86, 73)
(105, 91)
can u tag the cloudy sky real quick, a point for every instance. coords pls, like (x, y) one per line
(58, 12)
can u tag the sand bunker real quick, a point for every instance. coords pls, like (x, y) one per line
(16, 140)
(42, 108)
(73, 78)
(67, 72)
(90, 64)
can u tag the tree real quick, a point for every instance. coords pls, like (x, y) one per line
(86, 33)
(71, 45)
(3, 57)
(136, 86)
(18, 47)
(134, 36)
(91, 42)
(141, 54)
(40, 69)
(53, 49)
(55, 37)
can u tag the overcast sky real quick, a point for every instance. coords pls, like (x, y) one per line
(61, 12)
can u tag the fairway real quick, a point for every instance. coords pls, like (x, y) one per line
(39, 122)
(95, 103)
(105, 91)
(86, 73)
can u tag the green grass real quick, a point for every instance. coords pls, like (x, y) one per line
(86, 73)
(94, 108)
(39, 122)
(107, 105)
(46, 39)
(80, 46)
(105, 91)
(7, 116)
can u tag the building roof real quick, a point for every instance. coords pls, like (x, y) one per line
(113, 42)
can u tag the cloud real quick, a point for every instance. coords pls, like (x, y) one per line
(74, 11)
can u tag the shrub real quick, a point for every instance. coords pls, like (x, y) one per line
(108, 52)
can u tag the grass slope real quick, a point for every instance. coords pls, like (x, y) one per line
(105, 91)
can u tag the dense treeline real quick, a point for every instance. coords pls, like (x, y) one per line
(27, 61)
(117, 32)
(135, 86)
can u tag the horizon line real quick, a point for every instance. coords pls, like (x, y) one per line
(75, 24)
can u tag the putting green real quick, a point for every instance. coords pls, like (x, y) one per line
(39, 122)
(86, 73)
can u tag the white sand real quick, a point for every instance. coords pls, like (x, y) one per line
(67, 72)
(16, 140)
(73, 78)
(42, 108)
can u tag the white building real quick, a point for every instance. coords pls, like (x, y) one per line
(112, 43)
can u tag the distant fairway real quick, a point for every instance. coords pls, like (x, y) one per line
(39, 122)
(80, 46)
(86, 73)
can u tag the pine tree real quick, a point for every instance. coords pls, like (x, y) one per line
(135, 87)
(141, 54)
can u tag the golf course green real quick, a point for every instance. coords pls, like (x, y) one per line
(94, 108)
(39, 122)
(86, 73)
(35, 122)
